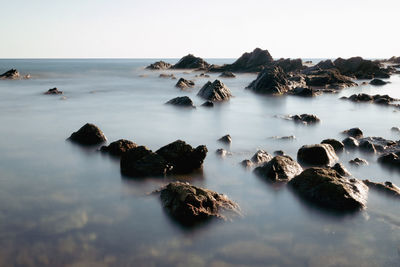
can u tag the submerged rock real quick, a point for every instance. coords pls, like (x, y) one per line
(330, 78)
(260, 157)
(290, 65)
(304, 92)
(183, 83)
(10, 74)
(53, 91)
(279, 168)
(117, 148)
(317, 155)
(367, 146)
(387, 188)
(246, 163)
(305, 118)
(191, 62)
(350, 143)
(208, 104)
(189, 204)
(227, 139)
(227, 74)
(88, 134)
(222, 152)
(341, 170)
(159, 65)
(337, 145)
(181, 101)
(326, 188)
(354, 132)
(164, 75)
(271, 80)
(390, 159)
(377, 99)
(216, 91)
(358, 162)
(377, 82)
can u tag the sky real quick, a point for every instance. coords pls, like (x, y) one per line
(206, 28)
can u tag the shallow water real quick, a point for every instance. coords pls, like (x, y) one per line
(64, 205)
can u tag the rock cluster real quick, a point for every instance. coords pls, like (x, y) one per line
(215, 91)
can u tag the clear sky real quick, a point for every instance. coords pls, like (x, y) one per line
(206, 28)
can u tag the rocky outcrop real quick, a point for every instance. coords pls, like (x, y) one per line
(354, 132)
(376, 99)
(358, 162)
(208, 104)
(395, 60)
(387, 188)
(159, 65)
(328, 189)
(119, 147)
(377, 82)
(227, 74)
(390, 159)
(181, 101)
(227, 139)
(341, 170)
(189, 204)
(337, 145)
(290, 65)
(350, 143)
(305, 119)
(88, 134)
(216, 91)
(361, 68)
(183, 83)
(53, 91)
(10, 74)
(191, 62)
(328, 78)
(304, 92)
(279, 168)
(317, 155)
(260, 157)
(271, 80)
(367, 146)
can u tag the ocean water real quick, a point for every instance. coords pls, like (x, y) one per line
(64, 205)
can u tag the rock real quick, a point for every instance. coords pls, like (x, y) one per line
(181, 101)
(10, 74)
(53, 91)
(88, 134)
(377, 99)
(159, 65)
(395, 129)
(222, 152)
(216, 91)
(328, 78)
(377, 82)
(305, 118)
(390, 159)
(304, 91)
(164, 75)
(354, 132)
(182, 83)
(279, 168)
(387, 188)
(317, 155)
(328, 189)
(350, 143)
(271, 80)
(261, 156)
(183, 157)
(341, 170)
(279, 153)
(227, 139)
(208, 104)
(191, 62)
(361, 68)
(117, 148)
(246, 163)
(189, 204)
(203, 75)
(290, 65)
(142, 162)
(358, 162)
(367, 146)
(227, 74)
(337, 145)
(284, 138)
(394, 59)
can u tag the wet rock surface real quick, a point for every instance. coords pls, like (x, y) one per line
(117, 148)
(208, 104)
(271, 80)
(227, 74)
(181, 101)
(227, 139)
(261, 156)
(142, 162)
(377, 82)
(328, 78)
(159, 65)
(387, 188)
(376, 99)
(215, 91)
(337, 145)
(279, 168)
(354, 132)
(189, 204)
(341, 170)
(10, 74)
(361, 68)
(191, 62)
(358, 162)
(367, 146)
(390, 159)
(88, 134)
(350, 143)
(53, 91)
(304, 92)
(328, 189)
(305, 119)
(183, 83)
(317, 155)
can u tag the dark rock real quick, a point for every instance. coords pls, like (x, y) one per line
(317, 155)
(191, 62)
(190, 204)
(163, 75)
(216, 91)
(387, 188)
(227, 74)
(367, 146)
(377, 82)
(290, 65)
(88, 134)
(117, 148)
(181, 101)
(377, 99)
(284, 138)
(279, 168)
(261, 156)
(159, 65)
(208, 104)
(341, 170)
(305, 118)
(203, 75)
(10, 74)
(246, 163)
(361, 68)
(328, 189)
(279, 153)
(227, 139)
(182, 83)
(304, 91)
(395, 60)
(326, 65)
(53, 91)
(149, 165)
(183, 157)
(358, 162)
(222, 152)
(329, 78)
(354, 132)
(390, 159)
(271, 80)
(337, 145)
(350, 143)
(395, 129)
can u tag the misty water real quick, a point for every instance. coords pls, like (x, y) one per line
(66, 205)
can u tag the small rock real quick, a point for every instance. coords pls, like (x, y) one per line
(191, 62)
(163, 75)
(261, 156)
(350, 143)
(181, 101)
(183, 83)
(88, 134)
(227, 139)
(216, 91)
(367, 146)
(377, 82)
(246, 163)
(395, 129)
(279, 168)
(284, 138)
(317, 155)
(208, 104)
(227, 74)
(10, 74)
(390, 159)
(305, 118)
(53, 91)
(337, 145)
(159, 65)
(271, 80)
(387, 188)
(354, 132)
(279, 153)
(358, 162)
(222, 152)
(117, 148)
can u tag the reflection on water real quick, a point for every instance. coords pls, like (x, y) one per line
(64, 205)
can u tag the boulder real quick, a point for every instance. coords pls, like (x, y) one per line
(279, 168)
(271, 80)
(330, 78)
(279, 153)
(181, 101)
(337, 145)
(387, 188)
(354, 132)
(317, 155)
(53, 91)
(246, 163)
(361, 68)
(290, 65)
(350, 143)
(216, 91)
(202, 75)
(159, 65)
(358, 162)
(88, 134)
(377, 99)
(227, 139)
(208, 104)
(377, 82)
(183, 83)
(367, 146)
(117, 148)
(260, 157)
(390, 159)
(10, 74)
(222, 152)
(227, 74)
(183, 157)
(191, 62)
(328, 189)
(304, 91)
(341, 170)
(189, 204)
(305, 118)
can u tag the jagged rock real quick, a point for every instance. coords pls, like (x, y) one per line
(164, 75)
(159, 65)
(317, 155)
(10, 74)
(227, 74)
(358, 162)
(341, 170)
(387, 188)
(191, 62)
(390, 159)
(377, 82)
(216, 91)
(354, 132)
(208, 104)
(182, 83)
(361, 68)
(350, 143)
(227, 139)
(183, 157)
(367, 146)
(337, 145)
(189, 204)
(290, 65)
(261, 156)
(271, 80)
(53, 91)
(88, 134)
(330, 78)
(181, 101)
(328, 189)
(305, 118)
(279, 168)
(304, 91)
(117, 148)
